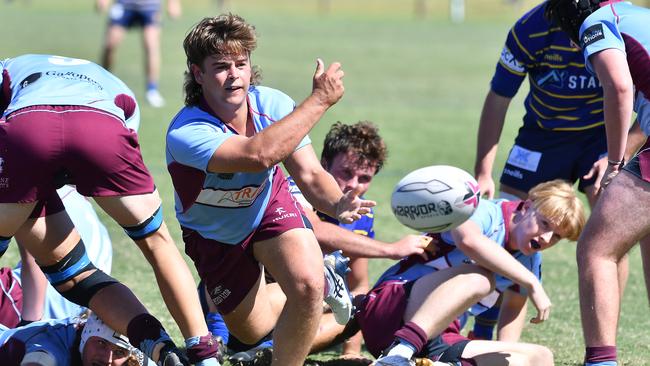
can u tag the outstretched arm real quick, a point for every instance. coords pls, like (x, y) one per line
(495, 258)
(276, 142)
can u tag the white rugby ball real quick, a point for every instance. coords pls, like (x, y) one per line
(435, 199)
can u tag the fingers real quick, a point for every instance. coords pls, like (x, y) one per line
(320, 68)
(542, 315)
(590, 173)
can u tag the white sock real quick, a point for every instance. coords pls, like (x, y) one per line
(402, 349)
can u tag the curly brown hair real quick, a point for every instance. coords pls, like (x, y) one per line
(361, 139)
(226, 34)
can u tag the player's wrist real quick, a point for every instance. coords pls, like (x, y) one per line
(616, 164)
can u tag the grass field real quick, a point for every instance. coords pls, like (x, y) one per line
(421, 79)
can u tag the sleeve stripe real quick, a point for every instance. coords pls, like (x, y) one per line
(510, 70)
(563, 96)
(514, 35)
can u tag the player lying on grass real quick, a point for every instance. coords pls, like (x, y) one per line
(412, 310)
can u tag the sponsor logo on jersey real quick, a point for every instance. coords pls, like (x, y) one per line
(30, 79)
(592, 34)
(219, 294)
(555, 57)
(443, 208)
(70, 75)
(524, 158)
(509, 60)
(513, 173)
(563, 79)
(234, 198)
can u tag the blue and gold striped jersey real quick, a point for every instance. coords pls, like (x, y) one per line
(563, 95)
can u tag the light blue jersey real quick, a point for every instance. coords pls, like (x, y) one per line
(56, 337)
(624, 27)
(225, 207)
(54, 80)
(489, 216)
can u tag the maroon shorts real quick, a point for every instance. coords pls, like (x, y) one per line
(11, 298)
(42, 147)
(381, 314)
(230, 271)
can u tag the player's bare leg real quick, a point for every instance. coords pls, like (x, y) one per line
(489, 353)
(295, 261)
(450, 292)
(624, 264)
(151, 43)
(602, 245)
(172, 274)
(113, 38)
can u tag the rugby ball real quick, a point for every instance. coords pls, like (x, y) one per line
(435, 199)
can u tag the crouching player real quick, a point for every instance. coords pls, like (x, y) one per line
(56, 109)
(411, 311)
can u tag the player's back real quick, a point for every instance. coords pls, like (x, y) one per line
(55, 80)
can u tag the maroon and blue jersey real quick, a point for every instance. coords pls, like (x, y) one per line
(563, 95)
(622, 26)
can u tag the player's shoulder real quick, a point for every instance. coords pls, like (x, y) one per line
(269, 101)
(533, 21)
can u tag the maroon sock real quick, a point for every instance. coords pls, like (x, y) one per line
(207, 347)
(600, 354)
(145, 327)
(467, 362)
(413, 334)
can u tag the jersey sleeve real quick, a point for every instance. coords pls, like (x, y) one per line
(194, 144)
(515, 59)
(642, 109)
(596, 35)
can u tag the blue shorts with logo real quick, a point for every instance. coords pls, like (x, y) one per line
(127, 18)
(542, 155)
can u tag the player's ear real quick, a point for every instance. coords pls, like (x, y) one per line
(197, 73)
(527, 205)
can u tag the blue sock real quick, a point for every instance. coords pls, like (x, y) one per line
(217, 326)
(152, 85)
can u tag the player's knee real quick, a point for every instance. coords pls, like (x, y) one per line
(306, 288)
(542, 357)
(75, 263)
(4, 244)
(481, 282)
(147, 228)
(83, 291)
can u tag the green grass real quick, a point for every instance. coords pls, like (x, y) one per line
(421, 79)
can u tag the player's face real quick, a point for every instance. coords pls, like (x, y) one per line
(224, 79)
(350, 173)
(533, 232)
(100, 352)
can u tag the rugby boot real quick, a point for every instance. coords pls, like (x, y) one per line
(338, 297)
(172, 356)
(394, 360)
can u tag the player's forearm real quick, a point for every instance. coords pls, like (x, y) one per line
(332, 237)
(320, 189)
(489, 131)
(276, 142)
(512, 317)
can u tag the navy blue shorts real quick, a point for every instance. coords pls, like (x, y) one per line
(542, 155)
(128, 18)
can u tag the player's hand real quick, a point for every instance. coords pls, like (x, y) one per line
(327, 86)
(598, 171)
(408, 245)
(486, 185)
(350, 207)
(542, 303)
(609, 174)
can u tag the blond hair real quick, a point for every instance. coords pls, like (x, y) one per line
(558, 202)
